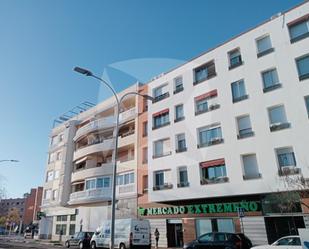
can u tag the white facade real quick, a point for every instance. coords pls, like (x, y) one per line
(78, 183)
(263, 143)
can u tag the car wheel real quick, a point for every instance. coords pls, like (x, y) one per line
(67, 244)
(93, 245)
(122, 246)
(81, 245)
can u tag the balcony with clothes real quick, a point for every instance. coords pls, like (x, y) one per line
(104, 141)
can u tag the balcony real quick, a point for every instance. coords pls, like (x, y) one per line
(221, 179)
(91, 195)
(104, 169)
(106, 145)
(125, 190)
(289, 170)
(161, 97)
(104, 123)
(279, 126)
(163, 187)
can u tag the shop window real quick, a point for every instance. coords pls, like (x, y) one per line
(61, 229)
(72, 229)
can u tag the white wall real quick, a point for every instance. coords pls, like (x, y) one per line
(264, 142)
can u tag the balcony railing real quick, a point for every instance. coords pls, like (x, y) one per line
(222, 179)
(106, 122)
(91, 195)
(162, 187)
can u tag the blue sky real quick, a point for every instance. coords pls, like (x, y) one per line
(41, 41)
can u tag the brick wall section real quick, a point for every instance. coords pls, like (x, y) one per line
(188, 226)
(142, 167)
(32, 205)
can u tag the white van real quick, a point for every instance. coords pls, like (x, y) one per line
(129, 234)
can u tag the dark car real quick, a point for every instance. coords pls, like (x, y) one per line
(246, 242)
(217, 240)
(80, 240)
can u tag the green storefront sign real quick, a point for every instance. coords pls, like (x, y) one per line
(210, 208)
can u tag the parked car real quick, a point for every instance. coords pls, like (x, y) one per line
(287, 242)
(80, 240)
(2, 231)
(219, 240)
(130, 233)
(246, 242)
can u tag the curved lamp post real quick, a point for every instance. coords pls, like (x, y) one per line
(9, 160)
(116, 133)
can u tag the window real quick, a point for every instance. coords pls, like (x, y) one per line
(145, 155)
(181, 143)
(90, 184)
(182, 177)
(160, 93)
(51, 157)
(47, 194)
(161, 119)
(59, 156)
(61, 137)
(162, 180)
(307, 104)
(72, 217)
(270, 80)
(145, 183)
(299, 30)
(125, 179)
(277, 118)
(244, 127)
(250, 167)
(50, 176)
(161, 148)
(303, 67)
(205, 102)
(72, 229)
(145, 129)
(103, 182)
(213, 171)
(61, 229)
(286, 157)
(210, 135)
(55, 194)
(178, 85)
(264, 46)
(62, 218)
(204, 72)
(179, 115)
(53, 140)
(234, 58)
(238, 91)
(159, 178)
(56, 175)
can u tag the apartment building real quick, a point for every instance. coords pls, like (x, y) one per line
(6, 205)
(224, 131)
(78, 185)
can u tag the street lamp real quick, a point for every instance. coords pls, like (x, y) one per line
(9, 160)
(115, 154)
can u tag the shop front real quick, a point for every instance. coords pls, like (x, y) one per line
(181, 223)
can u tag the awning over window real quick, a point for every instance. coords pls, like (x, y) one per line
(216, 162)
(81, 160)
(160, 113)
(210, 94)
(301, 19)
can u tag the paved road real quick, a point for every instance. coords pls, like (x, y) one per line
(4, 243)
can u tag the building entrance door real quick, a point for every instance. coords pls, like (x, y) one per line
(277, 227)
(174, 233)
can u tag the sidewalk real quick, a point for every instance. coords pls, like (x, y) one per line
(21, 239)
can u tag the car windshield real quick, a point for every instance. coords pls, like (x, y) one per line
(294, 241)
(205, 238)
(75, 235)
